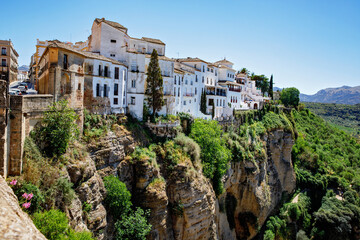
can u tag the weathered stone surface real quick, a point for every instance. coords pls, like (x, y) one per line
(256, 187)
(111, 149)
(14, 223)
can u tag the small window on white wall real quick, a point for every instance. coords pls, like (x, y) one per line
(132, 102)
(133, 83)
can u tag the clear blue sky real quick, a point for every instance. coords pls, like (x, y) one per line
(305, 43)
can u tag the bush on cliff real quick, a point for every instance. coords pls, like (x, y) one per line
(130, 224)
(55, 226)
(214, 153)
(56, 130)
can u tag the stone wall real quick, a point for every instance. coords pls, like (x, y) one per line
(26, 111)
(163, 129)
(4, 125)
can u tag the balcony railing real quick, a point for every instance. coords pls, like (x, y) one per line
(234, 90)
(217, 94)
(134, 68)
(188, 94)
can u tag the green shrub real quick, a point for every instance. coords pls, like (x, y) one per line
(189, 146)
(133, 226)
(214, 153)
(37, 200)
(118, 198)
(86, 207)
(53, 224)
(57, 128)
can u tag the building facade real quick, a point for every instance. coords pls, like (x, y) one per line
(9, 61)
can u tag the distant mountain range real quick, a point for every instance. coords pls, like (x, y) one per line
(341, 95)
(24, 68)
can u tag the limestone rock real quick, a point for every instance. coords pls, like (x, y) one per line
(14, 223)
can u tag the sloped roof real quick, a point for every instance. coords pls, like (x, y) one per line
(111, 23)
(160, 57)
(189, 59)
(153, 40)
(224, 61)
(59, 44)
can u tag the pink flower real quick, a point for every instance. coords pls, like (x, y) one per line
(29, 196)
(25, 195)
(13, 182)
(26, 205)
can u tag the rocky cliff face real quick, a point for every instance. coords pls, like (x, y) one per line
(14, 223)
(254, 189)
(184, 205)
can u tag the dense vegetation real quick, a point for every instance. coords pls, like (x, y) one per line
(130, 224)
(344, 117)
(327, 166)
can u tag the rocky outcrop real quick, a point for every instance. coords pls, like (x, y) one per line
(90, 191)
(254, 189)
(112, 148)
(14, 223)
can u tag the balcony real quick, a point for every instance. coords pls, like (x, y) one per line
(168, 93)
(3, 53)
(134, 69)
(235, 90)
(188, 94)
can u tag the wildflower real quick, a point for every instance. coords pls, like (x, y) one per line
(13, 182)
(26, 205)
(29, 196)
(25, 195)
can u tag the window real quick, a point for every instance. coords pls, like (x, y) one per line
(195, 66)
(105, 90)
(106, 71)
(65, 61)
(98, 90)
(116, 73)
(186, 82)
(3, 62)
(203, 68)
(208, 69)
(132, 101)
(175, 80)
(100, 70)
(115, 101)
(217, 102)
(184, 102)
(196, 78)
(174, 91)
(195, 91)
(212, 70)
(178, 92)
(79, 86)
(215, 73)
(207, 80)
(203, 79)
(211, 102)
(113, 40)
(3, 51)
(133, 83)
(112, 55)
(116, 89)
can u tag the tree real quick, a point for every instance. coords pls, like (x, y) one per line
(203, 102)
(154, 87)
(262, 82)
(214, 153)
(56, 130)
(271, 91)
(290, 97)
(244, 71)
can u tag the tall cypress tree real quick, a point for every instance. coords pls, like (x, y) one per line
(213, 109)
(203, 102)
(154, 86)
(271, 91)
